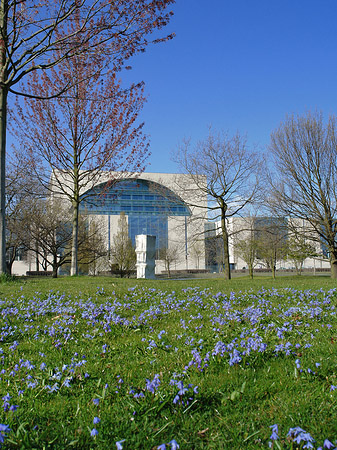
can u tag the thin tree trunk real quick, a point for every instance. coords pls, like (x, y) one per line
(227, 270)
(3, 126)
(74, 244)
(37, 264)
(3, 121)
(55, 266)
(11, 262)
(75, 204)
(251, 274)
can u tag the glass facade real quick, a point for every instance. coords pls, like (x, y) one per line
(147, 205)
(152, 225)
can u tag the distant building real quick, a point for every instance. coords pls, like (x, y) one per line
(154, 204)
(270, 230)
(171, 208)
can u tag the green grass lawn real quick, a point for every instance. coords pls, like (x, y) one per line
(107, 363)
(88, 285)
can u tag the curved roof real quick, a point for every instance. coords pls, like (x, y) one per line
(133, 197)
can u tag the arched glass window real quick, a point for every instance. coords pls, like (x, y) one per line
(133, 197)
(147, 205)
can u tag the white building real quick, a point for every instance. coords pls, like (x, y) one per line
(277, 233)
(153, 203)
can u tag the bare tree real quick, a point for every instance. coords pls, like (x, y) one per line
(271, 234)
(170, 255)
(31, 32)
(21, 192)
(92, 249)
(77, 136)
(228, 172)
(122, 252)
(47, 234)
(304, 183)
(197, 250)
(299, 249)
(247, 248)
(46, 231)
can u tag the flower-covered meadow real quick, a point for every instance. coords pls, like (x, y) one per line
(152, 368)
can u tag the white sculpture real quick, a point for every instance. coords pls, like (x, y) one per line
(146, 253)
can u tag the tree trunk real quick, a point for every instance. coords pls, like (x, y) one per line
(273, 270)
(55, 266)
(3, 126)
(74, 243)
(227, 270)
(251, 273)
(3, 122)
(10, 266)
(333, 263)
(11, 258)
(75, 204)
(37, 264)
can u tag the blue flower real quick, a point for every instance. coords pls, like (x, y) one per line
(95, 401)
(96, 420)
(66, 382)
(3, 430)
(94, 432)
(53, 388)
(295, 431)
(153, 385)
(174, 445)
(327, 444)
(119, 444)
(274, 435)
(161, 447)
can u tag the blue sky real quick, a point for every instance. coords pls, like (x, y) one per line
(239, 65)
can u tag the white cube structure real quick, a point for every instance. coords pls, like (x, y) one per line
(146, 253)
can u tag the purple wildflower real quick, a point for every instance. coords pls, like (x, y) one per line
(327, 444)
(3, 430)
(153, 385)
(274, 435)
(174, 444)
